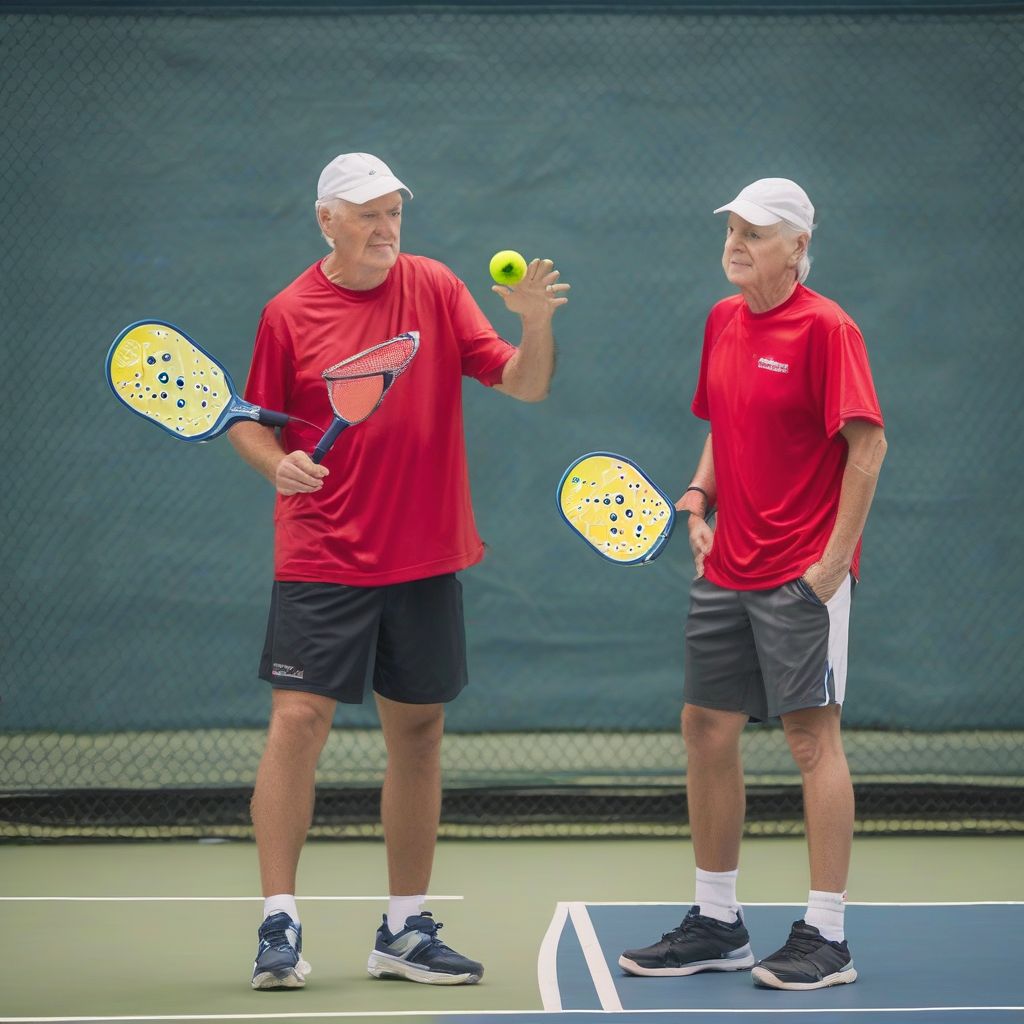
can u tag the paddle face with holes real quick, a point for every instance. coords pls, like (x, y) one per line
(357, 385)
(609, 501)
(161, 374)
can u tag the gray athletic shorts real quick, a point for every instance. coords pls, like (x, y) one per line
(766, 652)
(407, 640)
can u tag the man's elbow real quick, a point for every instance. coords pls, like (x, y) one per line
(868, 453)
(524, 391)
(535, 394)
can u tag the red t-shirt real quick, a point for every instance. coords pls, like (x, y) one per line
(396, 504)
(777, 387)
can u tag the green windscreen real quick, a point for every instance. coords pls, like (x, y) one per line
(161, 163)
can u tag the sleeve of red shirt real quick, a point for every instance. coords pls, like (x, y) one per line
(484, 351)
(270, 371)
(849, 388)
(699, 405)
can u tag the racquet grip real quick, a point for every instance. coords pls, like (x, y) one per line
(328, 440)
(272, 419)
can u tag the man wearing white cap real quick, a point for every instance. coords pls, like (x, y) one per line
(368, 544)
(791, 464)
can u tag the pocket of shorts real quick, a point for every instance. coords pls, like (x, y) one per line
(803, 588)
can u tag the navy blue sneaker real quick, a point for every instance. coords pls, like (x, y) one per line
(417, 954)
(279, 962)
(807, 961)
(699, 944)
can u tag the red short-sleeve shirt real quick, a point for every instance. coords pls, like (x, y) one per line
(777, 387)
(396, 505)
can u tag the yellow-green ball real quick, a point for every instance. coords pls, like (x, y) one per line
(507, 267)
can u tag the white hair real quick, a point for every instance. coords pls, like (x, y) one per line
(803, 268)
(333, 205)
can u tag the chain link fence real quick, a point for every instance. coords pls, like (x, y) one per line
(161, 163)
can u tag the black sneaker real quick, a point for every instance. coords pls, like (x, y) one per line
(417, 954)
(807, 960)
(698, 944)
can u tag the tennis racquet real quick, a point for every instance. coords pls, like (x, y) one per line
(610, 502)
(357, 385)
(165, 377)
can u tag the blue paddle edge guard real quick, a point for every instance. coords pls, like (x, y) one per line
(663, 538)
(236, 409)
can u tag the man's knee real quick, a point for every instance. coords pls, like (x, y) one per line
(413, 730)
(813, 737)
(711, 733)
(302, 717)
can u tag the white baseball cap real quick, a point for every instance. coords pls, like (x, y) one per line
(357, 177)
(769, 200)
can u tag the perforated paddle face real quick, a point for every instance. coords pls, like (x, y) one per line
(163, 375)
(612, 505)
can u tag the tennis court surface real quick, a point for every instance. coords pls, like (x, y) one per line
(166, 931)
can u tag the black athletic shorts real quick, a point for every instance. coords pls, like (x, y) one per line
(408, 640)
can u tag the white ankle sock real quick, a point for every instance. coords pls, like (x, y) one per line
(825, 912)
(285, 902)
(716, 895)
(401, 907)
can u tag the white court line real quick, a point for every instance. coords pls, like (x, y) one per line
(547, 961)
(593, 954)
(435, 1014)
(850, 903)
(193, 899)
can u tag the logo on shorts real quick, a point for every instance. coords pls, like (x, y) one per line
(767, 363)
(291, 671)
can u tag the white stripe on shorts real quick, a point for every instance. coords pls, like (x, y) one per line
(838, 606)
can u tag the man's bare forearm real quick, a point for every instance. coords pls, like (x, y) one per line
(866, 452)
(703, 500)
(527, 375)
(259, 446)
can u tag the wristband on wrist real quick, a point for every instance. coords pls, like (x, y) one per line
(707, 502)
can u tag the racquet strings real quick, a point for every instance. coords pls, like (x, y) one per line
(388, 357)
(356, 385)
(353, 399)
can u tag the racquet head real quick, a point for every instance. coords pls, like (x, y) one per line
(357, 385)
(609, 501)
(160, 373)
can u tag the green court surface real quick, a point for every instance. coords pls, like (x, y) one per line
(167, 930)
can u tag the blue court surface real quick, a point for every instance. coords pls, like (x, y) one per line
(948, 962)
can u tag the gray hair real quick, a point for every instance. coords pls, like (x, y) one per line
(803, 268)
(333, 204)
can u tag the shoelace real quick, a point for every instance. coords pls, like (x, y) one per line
(797, 943)
(432, 928)
(276, 938)
(690, 922)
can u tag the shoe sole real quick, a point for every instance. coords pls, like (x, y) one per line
(380, 965)
(294, 977)
(742, 962)
(764, 978)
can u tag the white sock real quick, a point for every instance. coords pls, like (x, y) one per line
(283, 902)
(402, 907)
(716, 895)
(825, 912)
